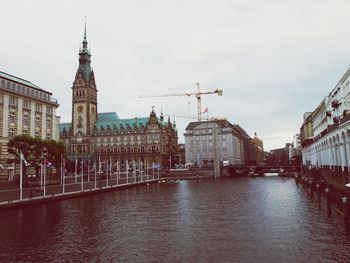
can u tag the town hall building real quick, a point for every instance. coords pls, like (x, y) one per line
(106, 137)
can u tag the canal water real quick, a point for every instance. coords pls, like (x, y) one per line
(265, 219)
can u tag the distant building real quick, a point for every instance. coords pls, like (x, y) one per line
(249, 149)
(24, 109)
(207, 140)
(259, 146)
(295, 150)
(279, 156)
(91, 135)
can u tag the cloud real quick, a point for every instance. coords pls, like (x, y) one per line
(273, 59)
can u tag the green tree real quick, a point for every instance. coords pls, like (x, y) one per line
(34, 149)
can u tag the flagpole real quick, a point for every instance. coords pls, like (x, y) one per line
(110, 166)
(118, 171)
(134, 171)
(99, 171)
(82, 175)
(63, 178)
(41, 174)
(95, 172)
(88, 170)
(140, 174)
(61, 168)
(44, 177)
(127, 172)
(75, 171)
(106, 164)
(20, 176)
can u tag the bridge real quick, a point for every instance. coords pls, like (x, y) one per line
(244, 170)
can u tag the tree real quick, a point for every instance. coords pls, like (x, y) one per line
(35, 148)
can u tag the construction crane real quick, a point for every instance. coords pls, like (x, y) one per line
(198, 94)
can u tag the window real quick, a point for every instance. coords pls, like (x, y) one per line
(12, 116)
(25, 119)
(48, 122)
(36, 134)
(11, 132)
(38, 107)
(26, 104)
(49, 110)
(37, 121)
(1, 98)
(13, 101)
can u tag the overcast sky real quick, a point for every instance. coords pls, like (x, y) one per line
(274, 59)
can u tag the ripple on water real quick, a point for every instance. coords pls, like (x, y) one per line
(266, 219)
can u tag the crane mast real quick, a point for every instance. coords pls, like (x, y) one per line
(198, 94)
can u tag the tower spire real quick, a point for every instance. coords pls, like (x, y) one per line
(85, 29)
(85, 43)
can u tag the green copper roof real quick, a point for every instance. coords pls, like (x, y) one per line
(118, 122)
(107, 117)
(111, 118)
(21, 81)
(65, 126)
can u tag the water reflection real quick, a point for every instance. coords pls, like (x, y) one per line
(264, 219)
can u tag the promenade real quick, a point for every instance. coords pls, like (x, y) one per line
(69, 187)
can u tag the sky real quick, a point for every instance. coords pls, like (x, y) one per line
(273, 59)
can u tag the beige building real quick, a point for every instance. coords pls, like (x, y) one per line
(216, 139)
(24, 109)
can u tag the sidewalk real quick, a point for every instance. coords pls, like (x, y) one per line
(8, 185)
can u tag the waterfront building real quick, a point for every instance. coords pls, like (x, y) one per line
(105, 137)
(259, 152)
(249, 148)
(327, 146)
(25, 108)
(295, 150)
(280, 156)
(215, 139)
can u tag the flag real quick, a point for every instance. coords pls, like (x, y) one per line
(49, 164)
(23, 159)
(206, 110)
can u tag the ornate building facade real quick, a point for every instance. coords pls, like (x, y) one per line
(24, 109)
(106, 137)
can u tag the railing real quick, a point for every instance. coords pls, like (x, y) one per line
(76, 184)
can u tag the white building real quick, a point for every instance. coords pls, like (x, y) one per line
(330, 144)
(24, 109)
(207, 140)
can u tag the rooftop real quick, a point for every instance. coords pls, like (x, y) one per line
(21, 81)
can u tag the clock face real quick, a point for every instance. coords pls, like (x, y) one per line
(80, 109)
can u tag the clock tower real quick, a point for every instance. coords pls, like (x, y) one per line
(84, 93)
(84, 103)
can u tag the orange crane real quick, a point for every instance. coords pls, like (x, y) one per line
(198, 94)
